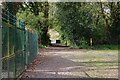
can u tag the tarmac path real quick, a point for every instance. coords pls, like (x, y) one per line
(63, 62)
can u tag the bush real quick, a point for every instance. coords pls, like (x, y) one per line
(42, 46)
(83, 43)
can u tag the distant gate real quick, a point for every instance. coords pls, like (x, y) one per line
(19, 46)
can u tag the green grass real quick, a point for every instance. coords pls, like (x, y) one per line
(98, 47)
(105, 47)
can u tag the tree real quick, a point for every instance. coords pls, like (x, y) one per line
(115, 22)
(76, 20)
(39, 22)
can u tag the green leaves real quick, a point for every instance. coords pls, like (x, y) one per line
(73, 20)
(77, 20)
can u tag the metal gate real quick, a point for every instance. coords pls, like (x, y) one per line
(19, 46)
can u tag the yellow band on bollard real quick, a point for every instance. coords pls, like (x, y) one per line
(90, 41)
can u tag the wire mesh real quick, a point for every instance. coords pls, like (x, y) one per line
(31, 46)
(19, 47)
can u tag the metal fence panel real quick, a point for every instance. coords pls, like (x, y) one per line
(31, 46)
(19, 48)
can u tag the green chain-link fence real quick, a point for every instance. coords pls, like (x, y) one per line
(19, 47)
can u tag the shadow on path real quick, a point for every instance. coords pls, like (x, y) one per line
(59, 62)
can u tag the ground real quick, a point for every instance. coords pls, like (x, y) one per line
(63, 62)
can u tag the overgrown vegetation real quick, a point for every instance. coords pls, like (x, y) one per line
(76, 22)
(105, 47)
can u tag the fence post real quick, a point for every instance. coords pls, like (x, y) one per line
(25, 47)
(0, 41)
